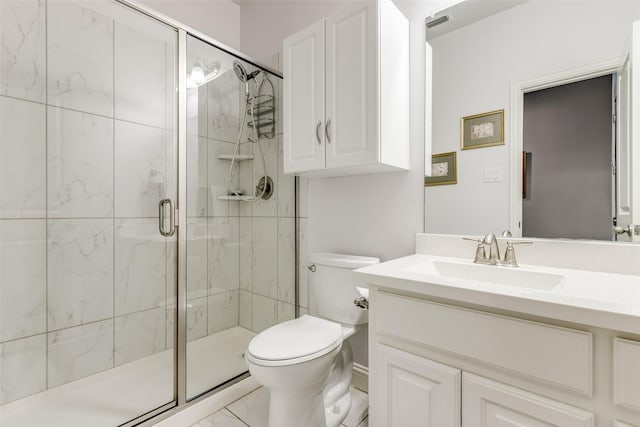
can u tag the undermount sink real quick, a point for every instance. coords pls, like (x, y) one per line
(490, 274)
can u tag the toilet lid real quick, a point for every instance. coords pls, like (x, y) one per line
(296, 338)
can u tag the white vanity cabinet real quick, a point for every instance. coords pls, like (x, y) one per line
(442, 364)
(346, 93)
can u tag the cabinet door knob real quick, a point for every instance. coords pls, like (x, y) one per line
(317, 132)
(326, 131)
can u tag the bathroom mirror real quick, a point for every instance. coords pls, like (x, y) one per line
(489, 56)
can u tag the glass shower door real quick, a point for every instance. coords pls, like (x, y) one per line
(88, 149)
(240, 250)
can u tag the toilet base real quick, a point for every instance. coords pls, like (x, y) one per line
(339, 411)
(295, 410)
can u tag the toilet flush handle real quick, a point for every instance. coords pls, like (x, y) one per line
(363, 300)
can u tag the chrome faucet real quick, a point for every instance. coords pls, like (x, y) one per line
(494, 251)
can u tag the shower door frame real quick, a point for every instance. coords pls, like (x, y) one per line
(180, 401)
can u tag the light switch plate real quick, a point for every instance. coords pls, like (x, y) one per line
(493, 175)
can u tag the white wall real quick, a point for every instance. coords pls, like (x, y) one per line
(473, 70)
(219, 19)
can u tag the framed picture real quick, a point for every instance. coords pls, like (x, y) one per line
(443, 170)
(482, 130)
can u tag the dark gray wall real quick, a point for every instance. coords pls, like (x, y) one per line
(567, 129)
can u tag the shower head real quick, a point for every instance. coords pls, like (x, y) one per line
(241, 72)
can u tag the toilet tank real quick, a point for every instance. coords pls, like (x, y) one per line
(332, 287)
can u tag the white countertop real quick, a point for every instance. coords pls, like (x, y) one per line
(599, 299)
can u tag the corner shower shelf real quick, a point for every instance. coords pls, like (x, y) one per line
(232, 198)
(237, 156)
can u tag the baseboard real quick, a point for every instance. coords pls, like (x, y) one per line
(360, 378)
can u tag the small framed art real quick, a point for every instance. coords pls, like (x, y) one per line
(482, 130)
(443, 170)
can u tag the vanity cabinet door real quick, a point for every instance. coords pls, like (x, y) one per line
(411, 391)
(491, 404)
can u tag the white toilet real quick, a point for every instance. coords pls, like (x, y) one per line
(306, 363)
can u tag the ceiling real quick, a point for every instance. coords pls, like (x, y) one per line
(468, 12)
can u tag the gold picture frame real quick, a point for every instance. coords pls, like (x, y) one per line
(444, 170)
(482, 130)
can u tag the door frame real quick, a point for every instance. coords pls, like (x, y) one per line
(518, 91)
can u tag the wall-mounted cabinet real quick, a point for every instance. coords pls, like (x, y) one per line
(346, 93)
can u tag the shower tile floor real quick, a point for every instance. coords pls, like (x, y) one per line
(251, 411)
(117, 395)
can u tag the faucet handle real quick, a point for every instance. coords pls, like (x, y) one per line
(481, 255)
(510, 253)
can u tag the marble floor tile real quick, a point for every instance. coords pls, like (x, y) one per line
(253, 408)
(359, 408)
(222, 418)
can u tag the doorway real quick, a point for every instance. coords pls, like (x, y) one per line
(569, 160)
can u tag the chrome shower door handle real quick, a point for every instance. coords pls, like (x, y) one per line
(162, 219)
(317, 132)
(326, 131)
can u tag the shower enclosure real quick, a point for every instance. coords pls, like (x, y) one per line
(147, 231)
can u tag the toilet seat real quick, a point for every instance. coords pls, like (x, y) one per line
(295, 341)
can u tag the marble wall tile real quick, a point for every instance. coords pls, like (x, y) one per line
(197, 258)
(139, 335)
(303, 272)
(223, 311)
(223, 255)
(285, 312)
(286, 188)
(219, 179)
(264, 261)
(197, 318)
(22, 368)
(197, 122)
(22, 57)
(247, 182)
(79, 164)
(78, 352)
(23, 292)
(140, 266)
(245, 309)
(141, 169)
(246, 253)
(224, 108)
(304, 197)
(80, 57)
(264, 312)
(145, 56)
(79, 271)
(198, 53)
(197, 176)
(170, 336)
(22, 159)
(286, 260)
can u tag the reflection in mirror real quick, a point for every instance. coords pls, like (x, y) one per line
(521, 50)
